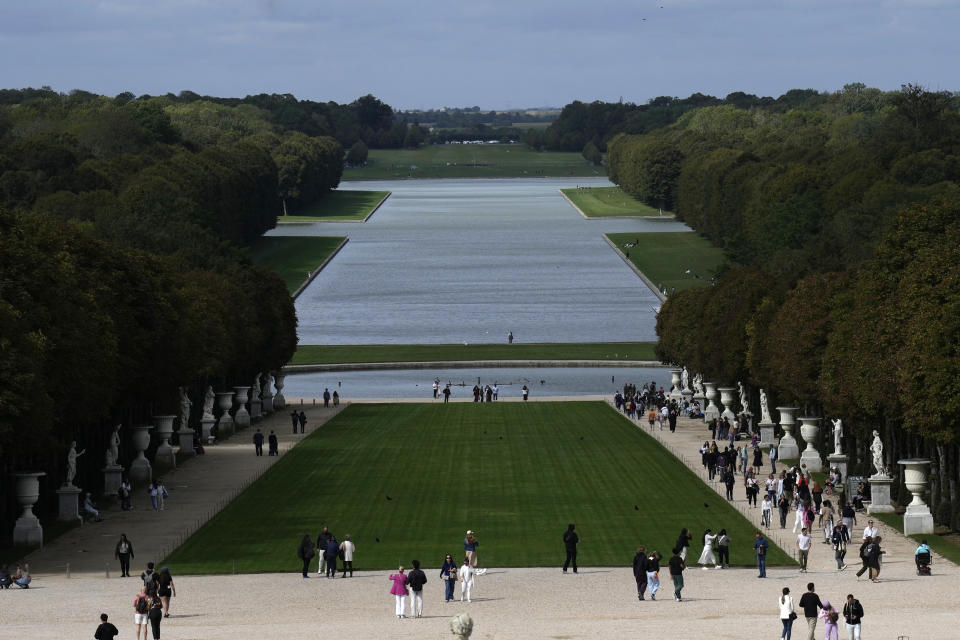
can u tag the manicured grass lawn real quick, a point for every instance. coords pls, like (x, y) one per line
(338, 206)
(336, 354)
(293, 257)
(471, 161)
(948, 548)
(406, 481)
(601, 202)
(665, 258)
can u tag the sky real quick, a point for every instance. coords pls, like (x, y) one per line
(495, 54)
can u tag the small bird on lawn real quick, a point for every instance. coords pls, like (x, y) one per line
(636, 508)
(706, 506)
(378, 539)
(389, 498)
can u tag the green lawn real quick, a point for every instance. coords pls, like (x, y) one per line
(396, 479)
(471, 161)
(336, 354)
(665, 258)
(947, 547)
(293, 257)
(338, 206)
(602, 202)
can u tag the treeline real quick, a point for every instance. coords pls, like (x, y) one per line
(841, 225)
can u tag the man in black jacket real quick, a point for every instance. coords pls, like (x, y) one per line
(416, 579)
(106, 630)
(852, 612)
(810, 602)
(640, 570)
(322, 539)
(570, 541)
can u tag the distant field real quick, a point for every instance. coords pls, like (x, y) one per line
(601, 202)
(471, 161)
(406, 481)
(337, 354)
(292, 257)
(666, 258)
(338, 206)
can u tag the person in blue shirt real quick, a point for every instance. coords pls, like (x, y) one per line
(760, 546)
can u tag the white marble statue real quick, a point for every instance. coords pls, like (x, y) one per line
(743, 399)
(684, 379)
(698, 384)
(268, 383)
(108, 459)
(255, 393)
(461, 625)
(876, 447)
(72, 456)
(208, 399)
(185, 404)
(765, 408)
(114, 450)
(837, 434)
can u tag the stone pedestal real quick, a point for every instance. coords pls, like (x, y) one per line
(702, 399)
(141, 473)
(711, 412)
(768, 437)
(675, 385)
(839, 461)
(917, 519)
(225, 424)
(164, 430)
(112, 475)
(788, 448)
(256, 411)
(27, 529)
(687, 396)
(206, 427)
(69, 503)
(185, 437)
(880, 494)
(726, 399)
(242, 417)
(266, 398)
(809, 429)
(279, 402)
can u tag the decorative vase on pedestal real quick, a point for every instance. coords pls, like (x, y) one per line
(809, 429)
(711, 412)
(225, 424)
(164, 430)
(279, 402)
(141, 473)
(675, 384)
(27, 530)
(788, 448)
(726, 399)
(917, 519)
(242, 417)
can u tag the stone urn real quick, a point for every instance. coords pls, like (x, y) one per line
(27, 530)
(917, 519)
(242, 417)
(164, 430)
(711, 412)
(727, 400)
(225, 423)
(809, 429)
(675, 383)
(788, 448)
(141, 473)
(279, 402)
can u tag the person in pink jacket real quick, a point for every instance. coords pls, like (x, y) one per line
(830, 618)
(399, 589)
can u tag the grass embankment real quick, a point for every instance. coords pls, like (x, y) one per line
(471, 161)
(609, 202)
(339, 354)
(293, 257)
(339, 206)
(397, 479)
(947, 547)
(666, 258)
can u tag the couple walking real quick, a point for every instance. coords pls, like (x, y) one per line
(646, 571)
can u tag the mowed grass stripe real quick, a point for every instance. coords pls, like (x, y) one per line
(516, 473)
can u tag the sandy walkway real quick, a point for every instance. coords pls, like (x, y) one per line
(510, 603)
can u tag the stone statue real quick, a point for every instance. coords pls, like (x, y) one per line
(208, 399)
(743, 399)
(256, 388)
(461, 625)
(113, 453)
(185, 404)
(72, 456)
(765, 408)
(684, 379)
(837, 434)
(698, 384)
(268, 383)
(876, 447)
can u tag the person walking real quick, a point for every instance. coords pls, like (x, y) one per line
(302, 419)
(416, 580)
(803, 544)
(106, 630)
(773, 458)
(787, 614)
(152, 490)
(683, 542)
(852, 614)
(723, 549)
(155, 616)
(676, 574)
(640, 570)
(123, 552)
(831, 618)
(322, 539)
(466, 574)
(706, 556)
(446, 394)
(141, 609)
(760, 546)
(864, 555)
(448, 574)
(766, 511)
(470, 544)
(525, 392)
(272, 448)
(305, 553)
(124, 493)
(810, 603)
(783, 506)
(570, 542)
(330, 555)
(165, 590)
(326, 398)
(399, 590)
(346, 552)
(258, 443)
(162, 494)
(873, 558)
(150, 580)
(840, 539)
(295, 420)
(653, 573)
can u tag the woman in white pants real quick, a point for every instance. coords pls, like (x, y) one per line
(399, 590)
(466, 579)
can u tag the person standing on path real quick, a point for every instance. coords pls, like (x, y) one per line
(141, 609)
(326, 398)
(322, 539)
(760, 546)
(810, 603)
(570, 542)
(766, 511)
(399, 590)
(436, 388)
(683, 542)
(258, 443)
(640, 570)
(870, 531)
(470, 544)
(510, 338)
(165, 590)
(676, 574)
(466, 579)
(295, 419)
(346, 549)
(803, 544)
(106, 630)
(302, 419)
(305, 553)
(706, 556)
(787, 615)
(272, 444)
(330, 555)
(525, 391)
(723, 549)
(416, 580)
(852, 613)
(653, 573)
(773, 458)
(123, 553)
(840, 539)
(448, 574)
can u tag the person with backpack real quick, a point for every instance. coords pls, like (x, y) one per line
(123, 553)
(723, 549)
(416, 579)
(852, 614)
(149, 578)
(330, 556)
(141, 607)
(570, 542)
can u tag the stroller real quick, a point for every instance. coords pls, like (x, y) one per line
(923, 563)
